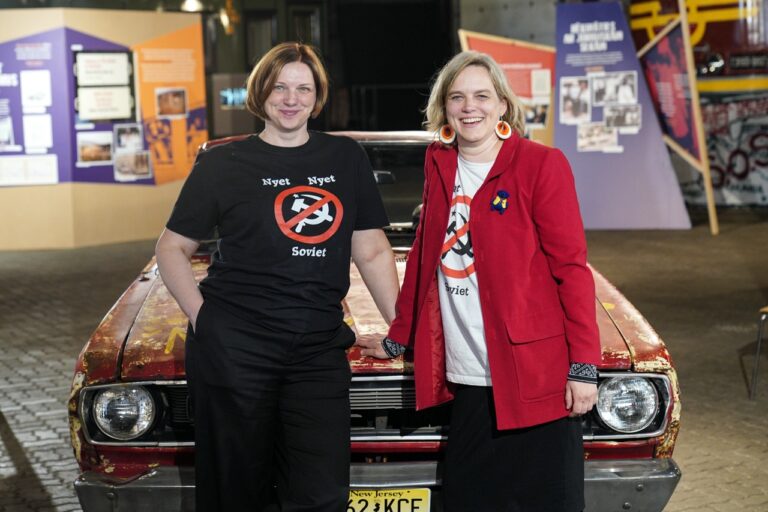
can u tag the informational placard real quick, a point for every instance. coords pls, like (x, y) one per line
(38, 132)
(77, 96)
(102, 68)
(29, 170)
(607, 127)
(140, 111)
(89, 150)
(104, 89)
(172, 94)
(104, 103)
(530, 71)
(32, 124)
(36, 90)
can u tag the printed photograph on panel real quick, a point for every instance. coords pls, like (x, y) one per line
(596, 137)
(171, 102)
(627, 118)
(535, 114)
(94, 148)
(614, 88)
(133, 166)
(128, 137)
(626, 90)
(6, 132)
(575, 101)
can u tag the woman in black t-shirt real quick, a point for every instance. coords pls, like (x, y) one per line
(266, 361)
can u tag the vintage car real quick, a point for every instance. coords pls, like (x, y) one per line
(132, 431)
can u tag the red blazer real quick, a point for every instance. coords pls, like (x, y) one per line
(537, 294)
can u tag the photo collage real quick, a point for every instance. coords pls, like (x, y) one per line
(104, 96)
(615, 94)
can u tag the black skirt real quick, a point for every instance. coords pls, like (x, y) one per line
(535, 469)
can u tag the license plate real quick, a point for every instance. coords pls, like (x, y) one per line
(388, 500)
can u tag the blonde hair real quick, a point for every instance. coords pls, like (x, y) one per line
(435, 110)
(262, 79)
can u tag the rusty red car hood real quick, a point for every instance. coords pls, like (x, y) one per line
(154, 347)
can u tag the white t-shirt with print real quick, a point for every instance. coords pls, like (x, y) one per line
(466, 353)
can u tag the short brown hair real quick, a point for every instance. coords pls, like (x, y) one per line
(435, 111)
(262, 79)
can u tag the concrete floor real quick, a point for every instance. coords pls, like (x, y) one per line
(701, 293)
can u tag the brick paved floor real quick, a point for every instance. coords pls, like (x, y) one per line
(50, 302)
(700, 293)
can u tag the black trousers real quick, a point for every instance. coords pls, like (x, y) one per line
(271, 413)
(536, 469)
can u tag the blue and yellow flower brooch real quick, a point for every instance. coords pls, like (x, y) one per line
(499, 202)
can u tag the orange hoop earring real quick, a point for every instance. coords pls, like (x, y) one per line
(503, 130)
(447, 135)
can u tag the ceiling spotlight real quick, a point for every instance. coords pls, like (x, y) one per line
(192, 6)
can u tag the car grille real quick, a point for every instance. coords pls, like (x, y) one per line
(365, 395)
(179, 405)
(382, 409)
(376, 394)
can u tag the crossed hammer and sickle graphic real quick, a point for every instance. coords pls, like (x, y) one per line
(457, 245)
(316, 217)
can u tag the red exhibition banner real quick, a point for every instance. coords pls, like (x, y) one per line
(666, 71)
(526, 65)
(529, 68)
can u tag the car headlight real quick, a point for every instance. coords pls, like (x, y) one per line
(627, 404)
(125, 412)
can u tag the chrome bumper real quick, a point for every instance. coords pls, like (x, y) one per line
(644, 484)
(610, 485)
(164, 488)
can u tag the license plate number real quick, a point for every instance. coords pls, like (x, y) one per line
(388, 500)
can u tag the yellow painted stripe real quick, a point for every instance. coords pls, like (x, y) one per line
(693, 4)
(733, 84)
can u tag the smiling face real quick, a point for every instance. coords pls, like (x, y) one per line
(472, 107)
(292, 99)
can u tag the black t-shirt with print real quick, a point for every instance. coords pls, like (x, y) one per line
(285, 218)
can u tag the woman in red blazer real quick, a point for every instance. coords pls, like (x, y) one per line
(498, 303)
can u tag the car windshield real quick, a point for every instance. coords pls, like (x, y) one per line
(405, 161)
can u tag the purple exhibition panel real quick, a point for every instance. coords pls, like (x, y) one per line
(35, 114)
(607, 127)
(95, 143)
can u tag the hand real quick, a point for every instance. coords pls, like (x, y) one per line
(371, 347)
(580, 397)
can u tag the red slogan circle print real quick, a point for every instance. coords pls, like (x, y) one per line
(454, 239)
(305, 213)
